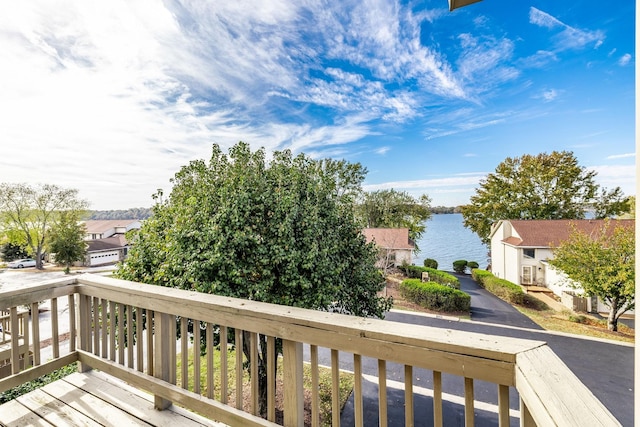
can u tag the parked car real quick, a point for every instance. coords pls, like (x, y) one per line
(21, 263)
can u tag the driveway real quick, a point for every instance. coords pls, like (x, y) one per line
(488, 308)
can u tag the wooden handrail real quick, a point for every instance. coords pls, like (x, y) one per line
(111, 314)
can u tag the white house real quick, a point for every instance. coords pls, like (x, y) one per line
(106, 240)
(520, 250)
(395, 241)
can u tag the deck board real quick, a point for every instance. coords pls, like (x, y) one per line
(53, 410)
(93, 399)
(95, 408)
(14, 414)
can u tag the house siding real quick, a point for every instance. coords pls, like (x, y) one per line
(508, 260)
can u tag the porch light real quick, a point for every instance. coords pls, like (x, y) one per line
(455, 4)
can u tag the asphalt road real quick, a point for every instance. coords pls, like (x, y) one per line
(605, 367)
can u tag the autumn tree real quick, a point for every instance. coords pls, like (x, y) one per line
(395, 209)
(281, 231)
(546, 186)
(30, 211)
(603, 265)
(66, 239)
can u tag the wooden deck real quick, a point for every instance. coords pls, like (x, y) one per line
(93, 399)
(128, 330)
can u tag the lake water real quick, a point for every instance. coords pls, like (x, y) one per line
(447, 240)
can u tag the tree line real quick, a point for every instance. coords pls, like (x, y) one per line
(145, 213)
(131, 213)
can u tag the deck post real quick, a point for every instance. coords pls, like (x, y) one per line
(293, 386)
(163, 363)
(84, 328)
(526, 420)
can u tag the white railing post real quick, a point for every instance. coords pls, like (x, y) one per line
(293, 387)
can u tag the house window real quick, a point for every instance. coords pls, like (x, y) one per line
(529, 253)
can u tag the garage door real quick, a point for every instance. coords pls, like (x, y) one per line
(100, 258)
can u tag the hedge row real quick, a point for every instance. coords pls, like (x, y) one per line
(438, 276)
(502, 288)
(435, 296)
(460, 266)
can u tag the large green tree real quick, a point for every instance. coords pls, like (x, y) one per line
(603, 265)
(66, 239)
(395, 209)
(30, 211)
(281, 231)
(545, 186)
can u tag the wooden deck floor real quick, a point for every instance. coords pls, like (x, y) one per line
(93, 399)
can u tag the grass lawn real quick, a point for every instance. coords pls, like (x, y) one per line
(579, 324)
(346, 385)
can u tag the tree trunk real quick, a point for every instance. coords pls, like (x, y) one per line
(612, 320)
(262, 369)
(39, 263)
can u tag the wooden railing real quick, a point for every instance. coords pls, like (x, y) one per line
(14, 341)
(129, 330)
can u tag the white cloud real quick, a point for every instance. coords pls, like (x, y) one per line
(382, 150)
(540, 59)
(446, 191)
(623, 176)
(484, 61)
(567, 37)
(542, 19)
(547, 95)
(624, 60)
(621, 156)
(453, 181)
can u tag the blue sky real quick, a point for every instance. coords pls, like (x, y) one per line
(114, 97)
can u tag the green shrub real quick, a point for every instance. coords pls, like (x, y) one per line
(443, 278)
(412, 271)
(460, 266)
(472, 265)
(502, 288)
(435, 296)
(438, 276)
(431, 263)
(478, 275)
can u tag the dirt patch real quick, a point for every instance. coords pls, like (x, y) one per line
(246, 403)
